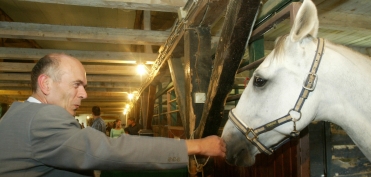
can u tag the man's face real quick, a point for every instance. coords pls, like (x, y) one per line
(130, 122)
(69, 92)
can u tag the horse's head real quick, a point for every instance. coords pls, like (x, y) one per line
(273, 91)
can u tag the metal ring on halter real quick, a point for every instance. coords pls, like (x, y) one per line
(295, 119)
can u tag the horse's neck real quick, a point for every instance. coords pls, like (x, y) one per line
(346, 76)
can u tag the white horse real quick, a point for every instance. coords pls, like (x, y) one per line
(299, 82)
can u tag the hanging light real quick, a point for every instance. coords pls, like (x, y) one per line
(141, 69)
(130, 96)
(125, 111)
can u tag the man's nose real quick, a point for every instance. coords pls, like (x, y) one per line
(82, 93)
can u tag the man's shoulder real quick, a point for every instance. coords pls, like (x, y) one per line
(101, 120)
(36, 106)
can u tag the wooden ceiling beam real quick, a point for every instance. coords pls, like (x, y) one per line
(82, 34)
(7, 100)
(89, 99)
(92, 94)
(151, 5)
(83, 56)
(35, 31)
(103, 109)
(105, 104)
(347, 22)
(90, 69)
(114, 80)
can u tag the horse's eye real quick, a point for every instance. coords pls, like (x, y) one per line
(259, 82)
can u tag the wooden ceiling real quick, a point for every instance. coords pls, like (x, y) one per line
(110, 37)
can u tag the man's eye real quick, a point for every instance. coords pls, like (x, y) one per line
(259, 82)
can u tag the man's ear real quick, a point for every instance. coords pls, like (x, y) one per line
(44, 82)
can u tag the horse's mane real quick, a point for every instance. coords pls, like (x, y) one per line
(279, 49)
(279, 46)
(346, 51)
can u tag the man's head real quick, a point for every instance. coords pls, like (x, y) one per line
(59, 79)
(95, 110)
(131, 121)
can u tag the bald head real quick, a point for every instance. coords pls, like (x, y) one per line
(59, 79)
(50, 66)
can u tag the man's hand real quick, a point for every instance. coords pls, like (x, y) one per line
(208, 146)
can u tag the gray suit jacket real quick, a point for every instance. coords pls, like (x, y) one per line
(45, 140)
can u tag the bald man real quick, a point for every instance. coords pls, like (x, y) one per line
(40, 137)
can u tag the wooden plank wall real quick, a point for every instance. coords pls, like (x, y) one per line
(333, 153)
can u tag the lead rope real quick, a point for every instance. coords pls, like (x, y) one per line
(199, 167)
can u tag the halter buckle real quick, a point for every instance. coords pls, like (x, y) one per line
(310, 82)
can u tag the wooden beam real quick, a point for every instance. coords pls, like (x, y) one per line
(90, 69)
(93, 80)
(132, 80)
(143, 108)
(15, 84)
(122, 95)
(150, 107)
(91, 98)
(83, 56)
(347, 22)
(197, 66)
(241, 16)
(147, 26)
(205, 12)
(126, 86)
(177, 76)
(151, 5)
(110, 114)
(216, 8)
(87, 109)
(7, 100)
(97, 80)
(81, 34)
(105, 104)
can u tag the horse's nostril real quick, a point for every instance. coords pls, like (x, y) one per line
(239, 153)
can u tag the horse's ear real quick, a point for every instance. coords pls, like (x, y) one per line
(306, 22)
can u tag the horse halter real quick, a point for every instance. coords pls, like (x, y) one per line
(309, 85)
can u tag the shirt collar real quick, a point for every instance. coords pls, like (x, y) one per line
(33, 100)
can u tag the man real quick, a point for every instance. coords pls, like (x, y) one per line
(133, 128)
(40, 137)
(98, 122)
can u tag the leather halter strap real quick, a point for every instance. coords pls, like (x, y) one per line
(309, 85)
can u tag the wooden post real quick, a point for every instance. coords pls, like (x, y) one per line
(178, 78)
(144, 105)
(159, 101)
(236, 32)
(150, 107)
(197, 62)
